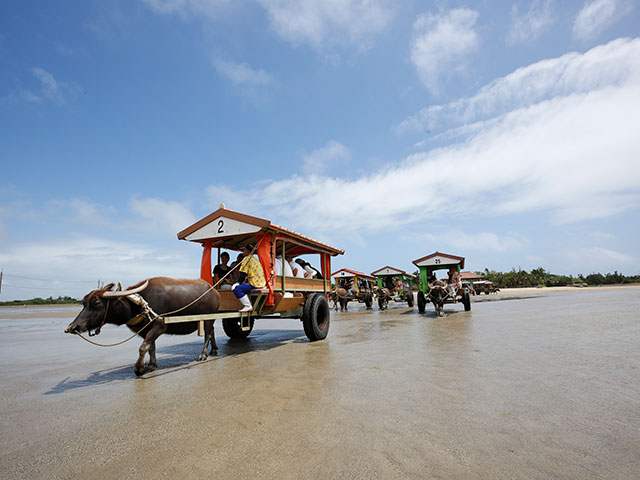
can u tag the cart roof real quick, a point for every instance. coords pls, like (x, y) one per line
(232, 230)
(346, 273)
(439, 260)
(388, 271)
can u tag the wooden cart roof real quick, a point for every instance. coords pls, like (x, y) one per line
(347, 273)
(232, 230)
(439, 259)
(387, 271)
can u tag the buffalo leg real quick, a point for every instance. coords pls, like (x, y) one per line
(153, 363)
(149, 344)
(140, 367)
(209, 339)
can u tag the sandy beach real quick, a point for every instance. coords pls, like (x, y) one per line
(543, 385)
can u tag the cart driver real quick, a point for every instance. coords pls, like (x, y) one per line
(454, 281)
(251, 276)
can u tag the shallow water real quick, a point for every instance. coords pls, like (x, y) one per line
(544, 387)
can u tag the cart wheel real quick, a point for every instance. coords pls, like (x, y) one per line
(315, 317)
(466, 301)
(410, 299)
(368, 300)
(231, 327)
(422, 302)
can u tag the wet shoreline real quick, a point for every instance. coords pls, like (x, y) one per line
(518, 389)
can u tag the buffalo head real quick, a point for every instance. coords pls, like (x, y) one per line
(96, 310)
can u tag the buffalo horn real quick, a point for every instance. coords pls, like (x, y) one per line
(124, 293)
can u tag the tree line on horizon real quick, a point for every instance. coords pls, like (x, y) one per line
(539, 277)
(41, 301)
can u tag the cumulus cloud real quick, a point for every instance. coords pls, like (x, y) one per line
(529, 26)
(161, 215)
(611, 64)
(441, 43)
(320, 160)
(596, 16)
(573, 155)
(324, 23)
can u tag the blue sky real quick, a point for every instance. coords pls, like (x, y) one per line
(505, 132)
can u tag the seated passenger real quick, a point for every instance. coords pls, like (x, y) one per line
(251, 276)
(313, 272)
(220, 271)
(297, 270)
(287, 267)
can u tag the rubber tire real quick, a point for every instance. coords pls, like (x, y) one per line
(410, 299)
(368, 300)
(422, 302)
(466, 301)
(231, 327)
(316, 317)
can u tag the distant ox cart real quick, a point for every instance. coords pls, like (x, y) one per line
(352, 285)
(440, 292)
(394, 285)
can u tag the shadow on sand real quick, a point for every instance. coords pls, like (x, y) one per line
(173, 358)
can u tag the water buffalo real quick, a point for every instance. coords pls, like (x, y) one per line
(163, 295)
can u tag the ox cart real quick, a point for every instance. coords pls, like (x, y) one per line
(283, 296)
(393, 284)
(352, 285)
(440, 292)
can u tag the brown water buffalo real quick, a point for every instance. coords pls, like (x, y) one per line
(163, 295)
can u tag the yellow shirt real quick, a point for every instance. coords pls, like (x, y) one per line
(255, 275)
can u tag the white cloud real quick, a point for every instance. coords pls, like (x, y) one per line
(67, 266)
(320, 160)
(611, 64)
(597, 15)
(82, 211)
(595, 259)
(325, 23)
(50, 89)
(574, 156)
(210, 8)
(160, 215)
(441, 43)
(530, 25)
(452, 239)
(242, 74)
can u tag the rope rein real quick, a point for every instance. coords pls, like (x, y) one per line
(149, 313)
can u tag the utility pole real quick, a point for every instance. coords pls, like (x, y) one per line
(1, 273)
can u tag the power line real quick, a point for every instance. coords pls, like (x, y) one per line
(49, 279)
(29, 288)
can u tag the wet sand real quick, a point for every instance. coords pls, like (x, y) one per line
(545, 386)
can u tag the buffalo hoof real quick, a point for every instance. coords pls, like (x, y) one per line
(140, 371)
(151, 367)
(202, 356)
